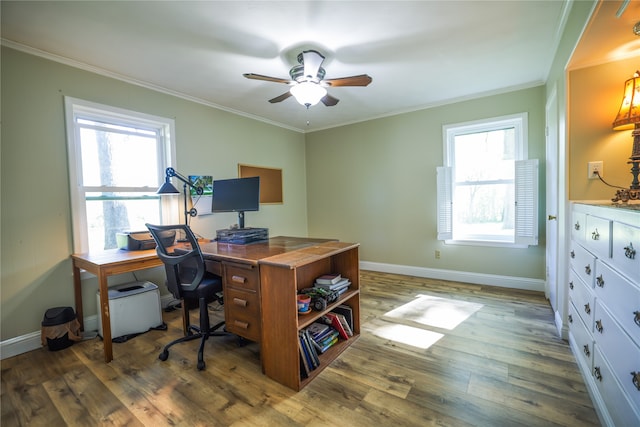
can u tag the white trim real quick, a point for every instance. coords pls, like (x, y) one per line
(522, 283)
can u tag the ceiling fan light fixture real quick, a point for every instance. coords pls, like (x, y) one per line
(308, 93)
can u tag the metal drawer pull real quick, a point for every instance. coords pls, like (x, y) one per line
(240, 302)
(585, 349)
(243, 325)
(636, 379)
(595, 235)
(570, 319)
(570, 285)
(629, 252)
(573, 254)
(600, 281)
(587, 269)
(599, 327)
(636, 317)
(238, 279)
(576, 226)
(587, 309)
(597, 374)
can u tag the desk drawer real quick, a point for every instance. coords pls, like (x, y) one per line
(242, 276)
(598, 236)
(582, 262)
(626, 250)
(581, 336)
(582, 297)
(242, 309)
(214, 267)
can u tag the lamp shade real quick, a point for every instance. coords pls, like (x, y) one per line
(629, 113)
(167, 188)
(308, 93)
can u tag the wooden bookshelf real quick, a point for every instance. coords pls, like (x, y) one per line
(281, 277)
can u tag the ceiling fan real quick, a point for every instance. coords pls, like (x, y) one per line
(308, 83)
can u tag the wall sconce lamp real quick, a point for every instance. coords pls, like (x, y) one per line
(168, 188)
(629, 118)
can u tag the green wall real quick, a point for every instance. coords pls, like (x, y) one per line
(36, 239)
(375, 183)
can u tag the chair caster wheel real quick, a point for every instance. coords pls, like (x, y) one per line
(201, 365)
(164, 355)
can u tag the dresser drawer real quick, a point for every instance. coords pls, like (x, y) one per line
(625, 251)
(620, 297)
(242, 313)
(621, 353)
(582, 337)
(242, 276)
(582, 262)
(598, 236)
(583, 300)
(621, 410)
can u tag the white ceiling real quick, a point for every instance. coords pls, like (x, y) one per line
(419, 53)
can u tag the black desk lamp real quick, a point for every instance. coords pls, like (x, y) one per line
(168, 188)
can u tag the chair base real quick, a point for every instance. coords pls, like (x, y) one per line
(195, 332)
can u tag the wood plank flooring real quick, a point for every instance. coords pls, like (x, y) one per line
(503, 366)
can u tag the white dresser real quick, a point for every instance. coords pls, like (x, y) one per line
(604, 307)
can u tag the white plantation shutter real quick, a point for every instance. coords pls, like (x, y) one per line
(526, 224)
(444, 201)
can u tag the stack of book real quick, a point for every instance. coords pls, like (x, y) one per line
(333, 282)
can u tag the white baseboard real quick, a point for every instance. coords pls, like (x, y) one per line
(31, 341)
(457, 276)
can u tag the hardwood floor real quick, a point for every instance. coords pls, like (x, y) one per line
(502, 366)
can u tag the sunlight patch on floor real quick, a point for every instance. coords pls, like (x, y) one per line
(430, 311)
(408, 335)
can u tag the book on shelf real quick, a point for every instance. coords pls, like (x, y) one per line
(340, 284)
(344, 323)
(311, 348)
(304, 363)
(305, 355)
(346, 311)
(329, 279)
(337, 325)
(326, 342)
(317, 329)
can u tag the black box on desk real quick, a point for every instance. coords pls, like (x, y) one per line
(242, 236)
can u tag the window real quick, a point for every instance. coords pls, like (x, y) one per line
(488, 190)
(117, 160)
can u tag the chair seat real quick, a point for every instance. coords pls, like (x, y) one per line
(208, 289)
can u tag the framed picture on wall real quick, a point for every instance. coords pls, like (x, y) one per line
(270, 182)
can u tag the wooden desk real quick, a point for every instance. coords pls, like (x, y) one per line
(103, 265)
(260, 281)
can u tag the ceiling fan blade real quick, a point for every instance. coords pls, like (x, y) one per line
(312, 61)
(329, 100)
(266, 78)
(361, 80)
(280, 98)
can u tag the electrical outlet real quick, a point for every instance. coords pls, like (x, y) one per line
(595, 169)
(437, 254)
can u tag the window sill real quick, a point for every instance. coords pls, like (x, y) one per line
(486, 243)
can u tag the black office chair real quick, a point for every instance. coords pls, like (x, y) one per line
(189, 282)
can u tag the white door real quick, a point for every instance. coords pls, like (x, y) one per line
(551, 283)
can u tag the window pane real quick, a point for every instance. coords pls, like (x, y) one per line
(106, 216)
(484, 210)
(111, 158)
(484, 155)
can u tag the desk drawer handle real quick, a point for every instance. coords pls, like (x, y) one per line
(587, 269)
(599, 327)
(585, 349)
(600, 281)
(629, 252)
(595, 235)
(576, 226)
(587, 309)
(571, 285)
(238, 279)
(573, 254)
(570, 319)
(636, 317)
(243, 325)
(240, 302)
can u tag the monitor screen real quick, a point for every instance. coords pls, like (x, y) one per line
(236, 195)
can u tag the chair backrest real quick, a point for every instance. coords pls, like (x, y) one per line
(185, 269)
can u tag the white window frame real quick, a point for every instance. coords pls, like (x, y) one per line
(75, 108)
(526, 183)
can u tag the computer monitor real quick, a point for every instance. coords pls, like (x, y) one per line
(236, 195)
